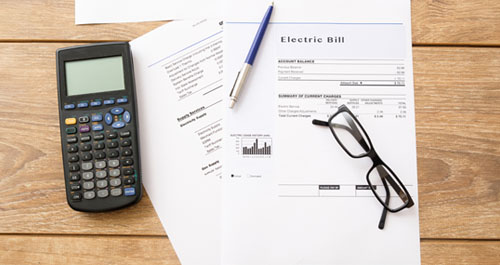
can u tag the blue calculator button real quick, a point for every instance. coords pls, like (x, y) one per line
(126, 116)
(69, 106)
(97, 117)
(116, 111)
(108, 118)
(129, 191)
(97, 127)
(118, 124)
(121, 100)
(95, 103)
(109, 101)
(83, 105)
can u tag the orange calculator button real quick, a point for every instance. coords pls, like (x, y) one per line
(70, 121)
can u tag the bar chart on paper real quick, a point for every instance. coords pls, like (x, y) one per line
(256, 146)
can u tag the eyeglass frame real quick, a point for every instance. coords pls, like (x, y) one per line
(377, 161)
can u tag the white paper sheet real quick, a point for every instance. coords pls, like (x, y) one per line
(114, 11)
(304, 201)
(178, 71)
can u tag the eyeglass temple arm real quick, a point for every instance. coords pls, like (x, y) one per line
(353, 130)
(381, 223)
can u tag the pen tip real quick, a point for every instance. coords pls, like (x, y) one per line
(272, 3)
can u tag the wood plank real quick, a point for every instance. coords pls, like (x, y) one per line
(457, 91)
(457, 252)
(37, 249)
(473, 22)
(458, 134)
(469, 22)
(60, 249)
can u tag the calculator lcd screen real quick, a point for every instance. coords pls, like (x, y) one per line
(94, 75)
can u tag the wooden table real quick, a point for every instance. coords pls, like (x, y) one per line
(456, 51)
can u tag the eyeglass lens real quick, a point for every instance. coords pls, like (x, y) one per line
(350, 134)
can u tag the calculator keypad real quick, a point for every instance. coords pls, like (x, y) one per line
(99, 152)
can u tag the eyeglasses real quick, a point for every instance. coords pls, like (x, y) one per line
(383, 182)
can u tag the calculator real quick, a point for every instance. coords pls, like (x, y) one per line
(99, 126)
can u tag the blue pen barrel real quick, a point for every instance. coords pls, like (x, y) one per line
(258, 37)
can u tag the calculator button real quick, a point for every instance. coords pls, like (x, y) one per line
(125, 143)
(97, 127)
(113, 163)
(95, 103)
(128, 171)
(89, 195)
(113, 154)
(70, 130)
(85, 138)
(70, 121)
(126, 117)
(75, 177)
(99, 146)
(84, 128)
(73, 149)
(127, 152)
(86, 147)
(108, 118)
(88, 185)
(99, 137)
(115, 182)
(76, 187)
(102, 193)
(74, 167)
(88, 175)
(116, 111)
(74, 158)
(112, 135)
(97, 117)
(102, 184)
(69, 106)
(87, 166)
(87, 157)
(129, 191)
(72, 140)
(109, 101)
(101, 174)
(125, 134)
(114, 172)
(116, 192)
(100, 155)
(129, 181)
(76, 197)
(83, 119)
(83, 105)
(127, 162)
(100, 164)
(121, 100)
(113, 144)
(118, 124)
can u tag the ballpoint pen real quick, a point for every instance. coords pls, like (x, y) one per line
(245, 69)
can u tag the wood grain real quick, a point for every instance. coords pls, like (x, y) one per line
(433, 22)
(469, 22)
(39, 249)
(458, 138)
(61, 249)
(457, 91)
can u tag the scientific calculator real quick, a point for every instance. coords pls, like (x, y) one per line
(99, 126)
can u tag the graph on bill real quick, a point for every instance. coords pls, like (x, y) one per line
(256, 146)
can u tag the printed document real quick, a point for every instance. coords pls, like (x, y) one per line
(114, 11)
(290, 193)
(178, 71)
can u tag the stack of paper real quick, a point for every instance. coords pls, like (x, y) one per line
(301, 199)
